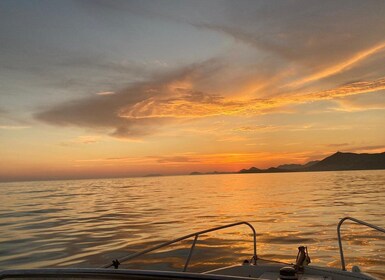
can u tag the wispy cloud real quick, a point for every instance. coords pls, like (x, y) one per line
(203, 105)
(13, 127)
(339, 67)
(105, 93)
(368, 149)
(337, 145)
(354, 103)
(128, 112)
(231, 138)
(82, 140)
(261, 127)
(350, 89)
(87, 139)
(199, 160)
(143, 108)
(175, 159)
(172, 159)
(330, 45)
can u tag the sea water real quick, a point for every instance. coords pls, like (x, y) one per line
(87, 223)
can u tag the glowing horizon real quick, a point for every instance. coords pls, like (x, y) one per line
(130, 88)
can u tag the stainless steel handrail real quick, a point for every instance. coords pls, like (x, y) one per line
(196, 235)
(339, 234)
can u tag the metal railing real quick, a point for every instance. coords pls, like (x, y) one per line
(339, 234)
(195, 235)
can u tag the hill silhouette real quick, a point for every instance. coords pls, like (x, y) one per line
(350, 161)
(297, 166)
(335, 162)
(251, 170)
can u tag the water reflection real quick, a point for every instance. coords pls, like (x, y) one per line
(88, 223)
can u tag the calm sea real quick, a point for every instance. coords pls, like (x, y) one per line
(87, 223)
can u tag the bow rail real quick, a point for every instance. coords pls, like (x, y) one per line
(116, 263)
(339, 234)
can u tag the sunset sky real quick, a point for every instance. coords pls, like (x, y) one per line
(94, 89)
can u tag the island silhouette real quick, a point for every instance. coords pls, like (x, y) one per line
(338, 161)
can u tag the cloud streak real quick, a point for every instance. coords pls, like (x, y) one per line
(194, 161)
(143, 108)
(13, 127)
(339, 67)
(208, 105)
(105, 93)
(115, 113)
(315, 46)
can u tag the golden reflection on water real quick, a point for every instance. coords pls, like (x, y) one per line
(88, 223)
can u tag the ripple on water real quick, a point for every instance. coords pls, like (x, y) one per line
(89, 222)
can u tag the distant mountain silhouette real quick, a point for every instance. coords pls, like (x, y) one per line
(350, 161)
(210, 173)
(269, 170)
(251, 170)
(196, 173)
(296, 167)
(335, 162)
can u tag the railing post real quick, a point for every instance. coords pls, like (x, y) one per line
(340, 243)
(339, 235)
(255, 256)
(190, 253)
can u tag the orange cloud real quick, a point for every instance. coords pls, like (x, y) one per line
(144, 107)
(87, 139)
(337, 68)
(105, 93)
(351, 89)
(13, 127)
(189, 159)
(257, 128)
(185, 106)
